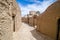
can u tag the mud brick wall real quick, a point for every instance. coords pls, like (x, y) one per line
(35, 20)
(7, 11)
(47, 22)
(31, 21)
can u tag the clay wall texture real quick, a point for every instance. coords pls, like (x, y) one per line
(31, 21)
(8, 9)
(47, 23)
(25, 19)
(35, 20)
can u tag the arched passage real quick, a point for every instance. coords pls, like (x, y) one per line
(58, 30)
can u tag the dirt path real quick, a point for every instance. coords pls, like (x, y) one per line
(27, 32)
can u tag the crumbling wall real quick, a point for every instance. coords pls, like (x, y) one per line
(7, 11)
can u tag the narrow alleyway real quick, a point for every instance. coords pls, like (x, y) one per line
(27, 32)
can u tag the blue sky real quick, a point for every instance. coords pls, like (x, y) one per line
(34, 5)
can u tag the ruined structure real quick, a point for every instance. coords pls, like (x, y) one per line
(25, 19)
(48, 23)
(9, 19)
(31, 18)
(35, 18)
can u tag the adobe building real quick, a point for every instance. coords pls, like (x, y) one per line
(16, 14)
(9, 16)
(49, 21)
(35, 18)
(25, 19)
(31, 18)
(32, 13)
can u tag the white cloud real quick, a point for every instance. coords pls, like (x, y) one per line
(32, 0)
(29, 0)
(36, 7)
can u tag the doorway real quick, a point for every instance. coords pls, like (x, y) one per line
(58, 30)
(13, 17)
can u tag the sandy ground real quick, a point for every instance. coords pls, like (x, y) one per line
(27, 32)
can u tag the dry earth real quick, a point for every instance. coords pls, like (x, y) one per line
(27, 32)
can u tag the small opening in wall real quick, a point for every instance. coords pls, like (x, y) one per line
(13, 17)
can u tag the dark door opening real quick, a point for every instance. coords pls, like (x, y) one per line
(13, 17)
(58, 30)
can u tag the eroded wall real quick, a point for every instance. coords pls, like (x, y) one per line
(8, 8)
(47, 23)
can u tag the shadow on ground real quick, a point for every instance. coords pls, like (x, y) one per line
(39, 36)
